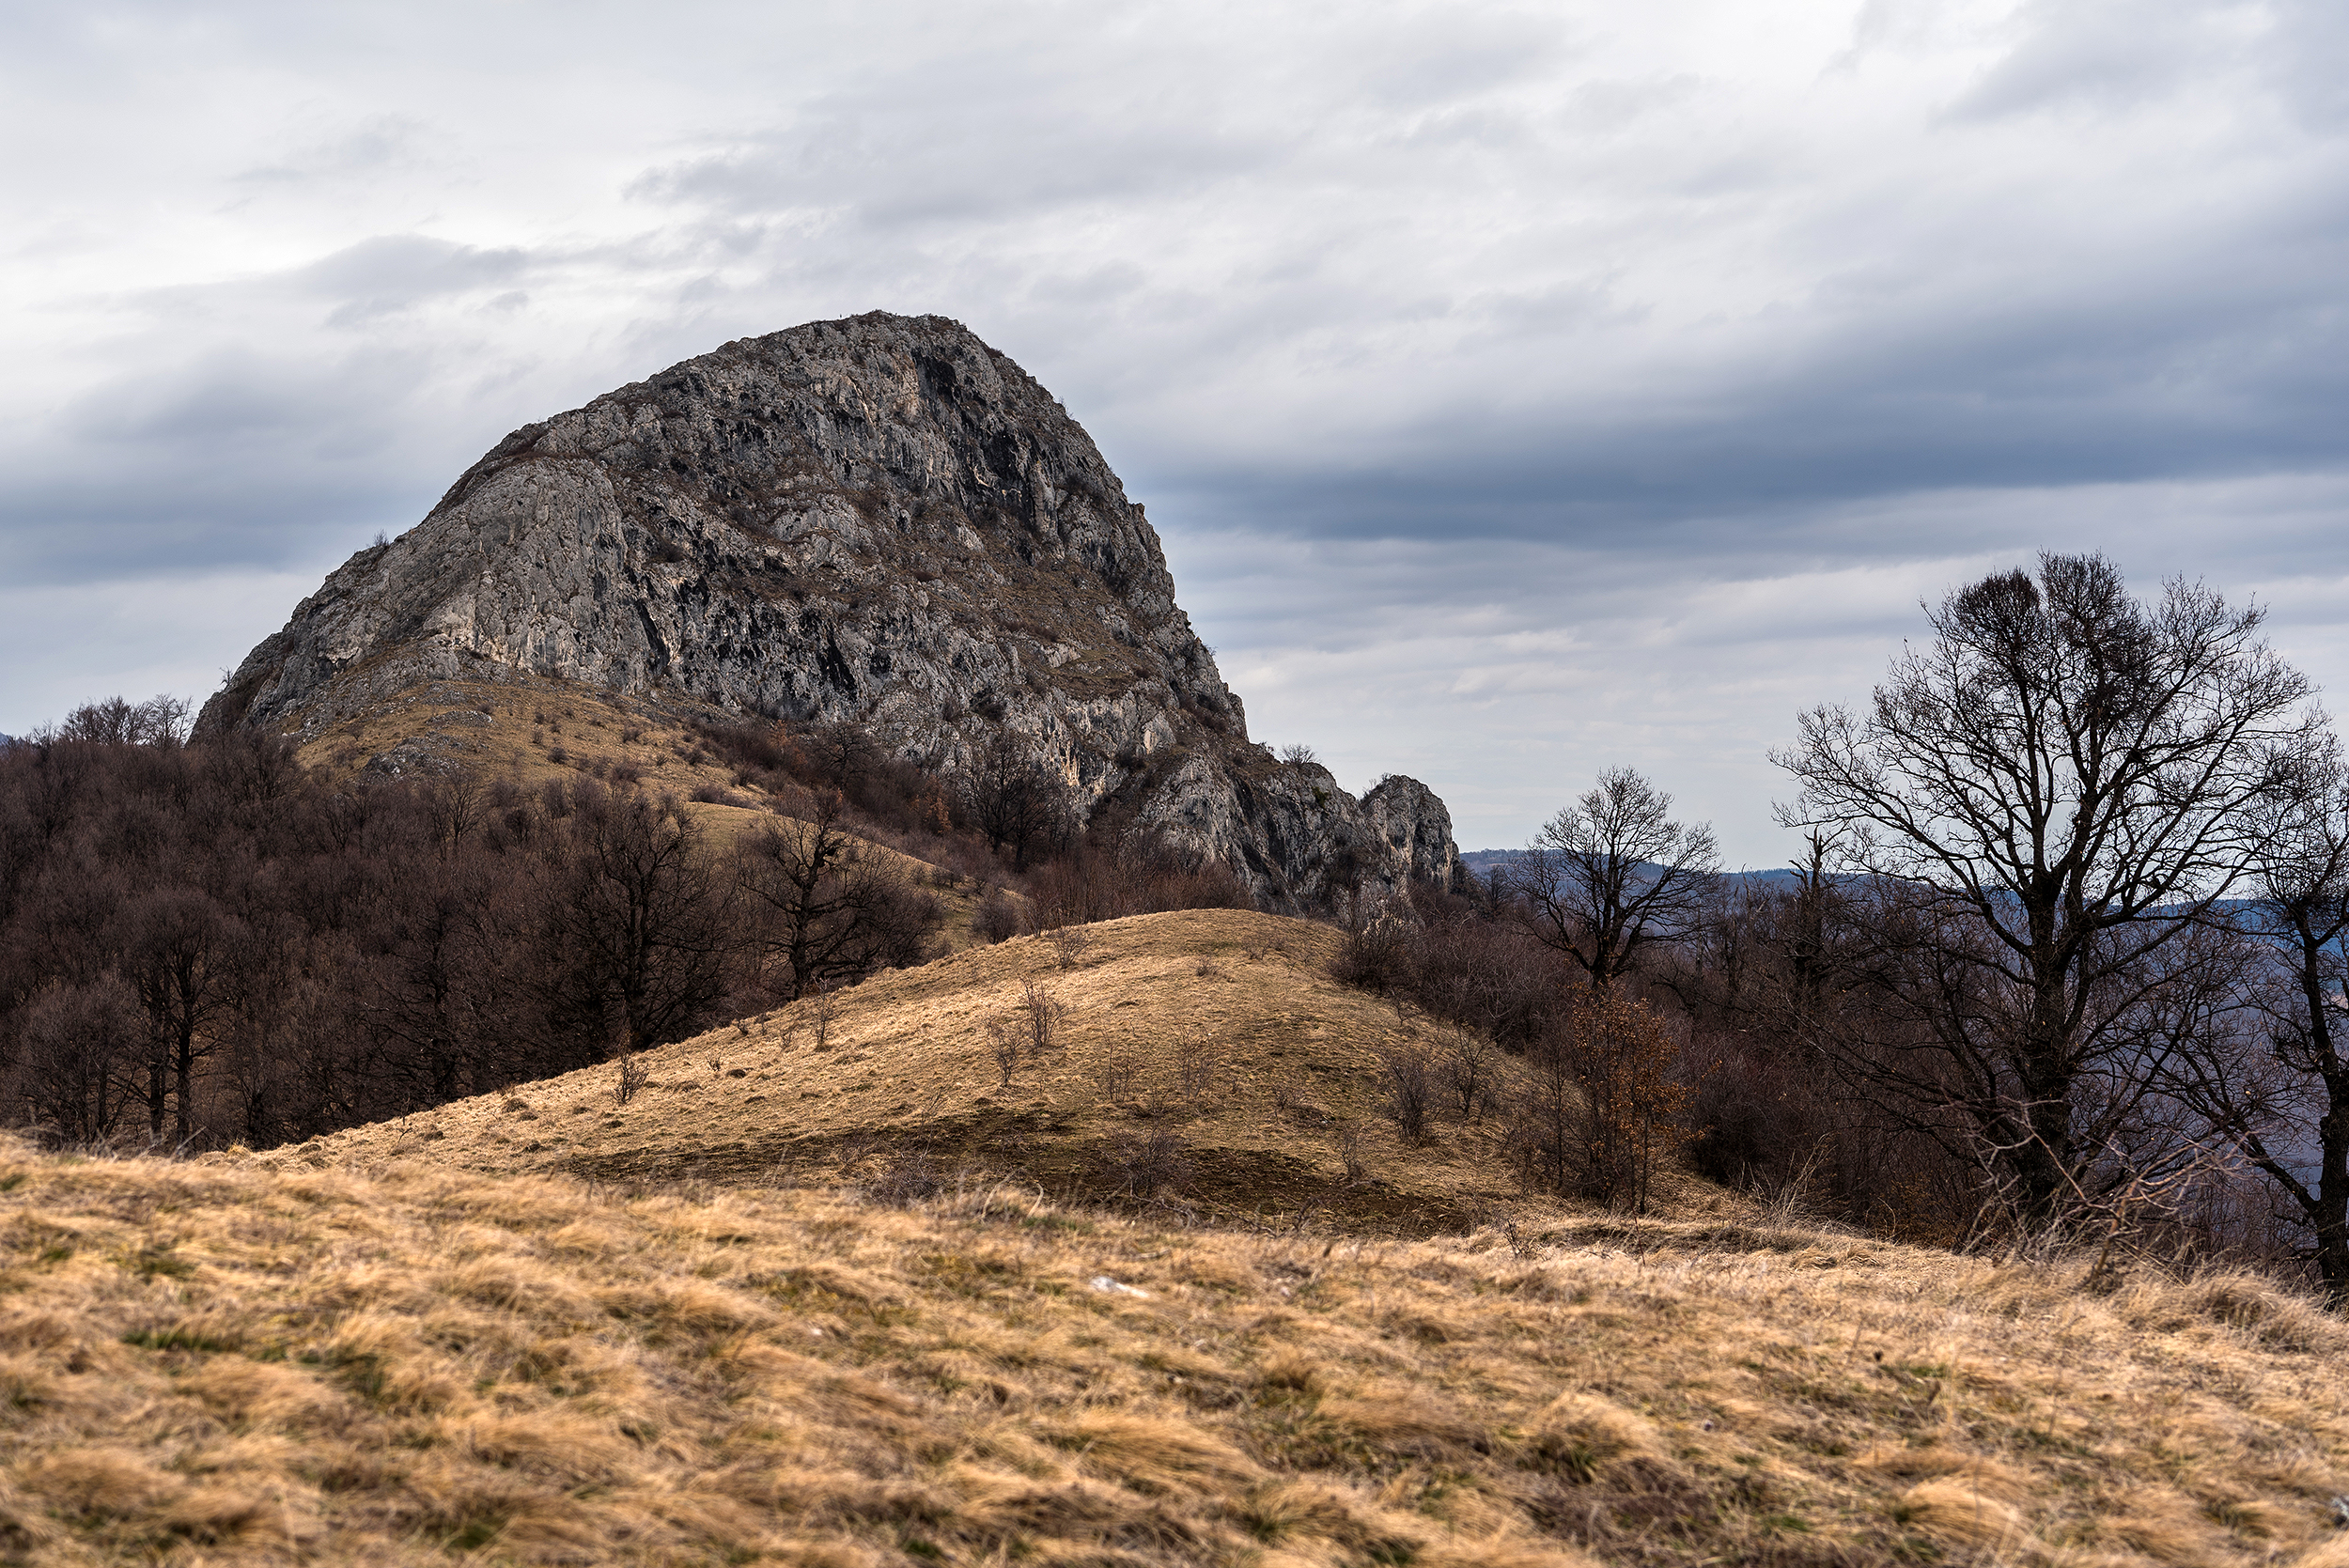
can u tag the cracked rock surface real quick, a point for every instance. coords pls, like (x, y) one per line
(879, 520)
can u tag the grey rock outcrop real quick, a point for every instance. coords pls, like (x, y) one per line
(879, 520)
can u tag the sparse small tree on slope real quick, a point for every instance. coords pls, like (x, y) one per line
(1598, 1103)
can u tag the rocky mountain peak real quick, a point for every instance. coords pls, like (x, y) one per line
(879, 520)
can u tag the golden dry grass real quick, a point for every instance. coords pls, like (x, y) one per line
(231, 1363)
(1218, 1026)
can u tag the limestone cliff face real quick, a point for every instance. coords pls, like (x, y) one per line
(879, 520)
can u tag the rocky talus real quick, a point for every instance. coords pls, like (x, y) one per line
(879, 520)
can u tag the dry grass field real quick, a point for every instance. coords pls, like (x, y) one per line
(408, 1362)
(1210, 1038)
(825, 1290)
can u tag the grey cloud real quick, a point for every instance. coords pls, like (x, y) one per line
(892, 169)
(1433, 60)
(148, 522)
(229, 459)
(1499, 382)
(392, 273)
(2101, 55)
(1614, 103)
(241, 396)
(1506, 673)
(376, 144)
(2309, 64)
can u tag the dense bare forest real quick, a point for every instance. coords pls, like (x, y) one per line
(203, 944)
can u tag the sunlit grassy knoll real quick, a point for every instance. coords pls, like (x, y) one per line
(231, 1363)
(1218, 1028)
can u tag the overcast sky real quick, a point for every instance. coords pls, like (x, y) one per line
(1519, 390)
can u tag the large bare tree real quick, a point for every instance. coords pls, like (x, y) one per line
(2278, 1090)
(2062, 782)
(638, 924)
(1611, 874)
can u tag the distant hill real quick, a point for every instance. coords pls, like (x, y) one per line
(1484, 862)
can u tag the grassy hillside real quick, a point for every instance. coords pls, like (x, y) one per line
(825, 1291)
(533, 726)
(535, 731)
(1212, 1039)
(230, 1363)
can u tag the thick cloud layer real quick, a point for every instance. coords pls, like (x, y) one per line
(1519, 392)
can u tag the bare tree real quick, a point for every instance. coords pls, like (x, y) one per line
(74, 1044)
(1028, 1031)
(161, 721)
(1003, 1042)
(1470, 1069)
(1599, 1105)
(631, 1078)
(2062, 782)
(823, 1007)
(834, 909)
(1037, 1016)
(2278, 1090)
(638, 924)
(1611, 874)
(1012, 797)
(182, 953)
(1411, 1077)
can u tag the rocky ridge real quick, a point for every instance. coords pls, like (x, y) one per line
(879, 520)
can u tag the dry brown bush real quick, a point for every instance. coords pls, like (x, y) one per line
(1069, 944)
(630, 1077)
(1599, 1105)
(1145, 1164)
(1411, 1077)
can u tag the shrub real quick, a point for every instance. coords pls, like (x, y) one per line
(631, 1080)
(1470, 1069)
(1599, 1103)
(1146, 1164)
(906, 1180)
(1068, 945)
(1411, 1077)
(998, 916)
(1377, 957)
